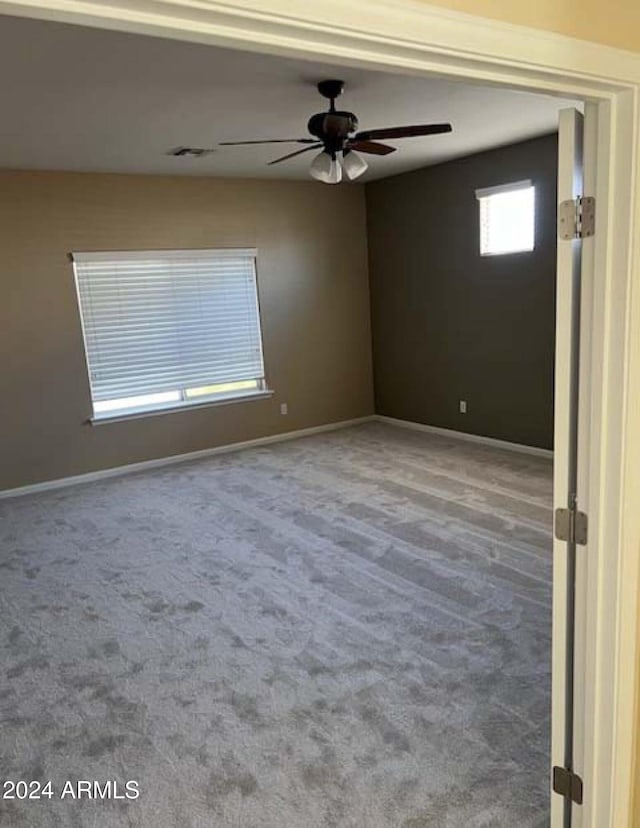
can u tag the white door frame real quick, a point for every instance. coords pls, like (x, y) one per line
(413, 38)
(572, 284)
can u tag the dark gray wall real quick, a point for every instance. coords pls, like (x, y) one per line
(449, 324)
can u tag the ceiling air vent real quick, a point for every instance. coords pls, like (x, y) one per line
(190, 152)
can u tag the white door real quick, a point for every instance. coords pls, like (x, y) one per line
(573, 300)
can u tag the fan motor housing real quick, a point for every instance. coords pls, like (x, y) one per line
(332, 126)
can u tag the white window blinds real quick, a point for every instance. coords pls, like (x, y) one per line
(167, 321)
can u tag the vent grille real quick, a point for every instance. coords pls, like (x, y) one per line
(190, 152)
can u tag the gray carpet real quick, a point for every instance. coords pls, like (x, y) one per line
(351, 629)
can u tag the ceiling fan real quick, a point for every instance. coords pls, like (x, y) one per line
(335, 132)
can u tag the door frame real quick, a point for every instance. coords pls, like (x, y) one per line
(413, 38)
(573, 294)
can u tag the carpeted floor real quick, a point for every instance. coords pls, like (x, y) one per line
(351, 629)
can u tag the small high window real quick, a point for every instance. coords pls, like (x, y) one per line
(169, 328)
(507, 218)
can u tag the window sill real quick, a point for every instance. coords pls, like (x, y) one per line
(170, 408)
(518, 252)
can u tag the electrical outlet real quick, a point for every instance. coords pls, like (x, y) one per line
(284, 408)
(463, 406)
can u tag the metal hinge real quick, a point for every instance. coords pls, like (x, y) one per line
(571, 525)
(568, 784)
(577, 217)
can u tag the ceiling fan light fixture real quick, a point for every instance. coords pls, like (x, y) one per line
(335, 174)
(354, 165)
(326, 168)
(335, 134)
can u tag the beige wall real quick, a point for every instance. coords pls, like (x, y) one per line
(311, 242)
(616, 23)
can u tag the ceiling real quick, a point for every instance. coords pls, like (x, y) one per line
(85, 99)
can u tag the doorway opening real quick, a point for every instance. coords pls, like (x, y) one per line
(460, 412)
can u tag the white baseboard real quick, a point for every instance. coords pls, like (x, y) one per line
(88, 477)
(462, 435)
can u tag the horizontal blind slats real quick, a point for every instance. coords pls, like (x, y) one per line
(170, 322)
(138, 330)
(142, 366)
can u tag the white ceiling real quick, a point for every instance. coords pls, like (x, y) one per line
(75, 98)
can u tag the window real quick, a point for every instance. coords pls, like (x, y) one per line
(171, 328)
(507, 218)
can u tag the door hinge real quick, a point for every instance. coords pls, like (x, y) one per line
(568, 784)
(577, 217)
(571, 525)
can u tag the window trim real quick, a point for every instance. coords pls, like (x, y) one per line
(135, 412)
(501, 189)
(180, 253)
(172, 408)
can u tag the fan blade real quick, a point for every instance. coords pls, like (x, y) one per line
(371, 147)
(293, 154)
(269, 141)
(403, 132)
